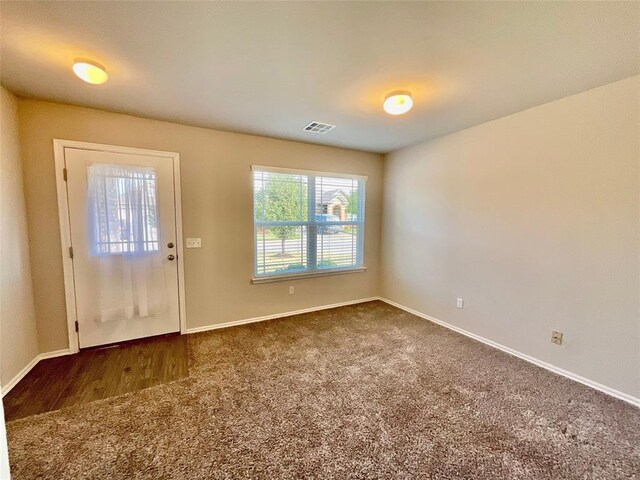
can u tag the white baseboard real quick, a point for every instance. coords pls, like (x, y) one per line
(278, 315)
(552, 368)
(22, 373)
(54, 354)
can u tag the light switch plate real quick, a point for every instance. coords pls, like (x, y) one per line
(193, 242)
(556, 337)
(459, 303)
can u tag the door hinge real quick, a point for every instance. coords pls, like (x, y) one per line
(76, 325)
(70, 252)
(64, 174)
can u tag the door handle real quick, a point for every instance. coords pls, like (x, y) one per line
(171, 257)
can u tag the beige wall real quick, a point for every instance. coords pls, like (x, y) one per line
(18, 339)
(534, 220)
(216, 203)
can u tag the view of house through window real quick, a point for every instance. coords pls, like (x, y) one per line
(307, 222)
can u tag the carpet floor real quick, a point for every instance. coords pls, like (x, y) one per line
(365, 391)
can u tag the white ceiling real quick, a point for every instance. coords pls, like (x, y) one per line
(269, 68)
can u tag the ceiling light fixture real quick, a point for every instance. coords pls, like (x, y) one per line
(90, 71)
(397, 103)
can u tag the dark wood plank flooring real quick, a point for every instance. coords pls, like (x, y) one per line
(98, 373)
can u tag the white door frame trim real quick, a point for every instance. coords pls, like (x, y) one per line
(65, 229)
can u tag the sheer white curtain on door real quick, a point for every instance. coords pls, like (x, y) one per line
(124, 242)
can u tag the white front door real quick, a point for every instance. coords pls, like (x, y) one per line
(122, 218)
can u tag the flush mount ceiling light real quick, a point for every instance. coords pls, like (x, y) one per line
(397, 103)
(90, 71)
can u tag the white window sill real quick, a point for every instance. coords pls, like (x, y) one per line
(297, 276)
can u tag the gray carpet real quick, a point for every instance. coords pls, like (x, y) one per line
(366, 391)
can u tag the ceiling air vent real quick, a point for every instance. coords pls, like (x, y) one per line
(317, 127)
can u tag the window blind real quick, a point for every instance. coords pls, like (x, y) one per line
(123, 212)
(307, 222)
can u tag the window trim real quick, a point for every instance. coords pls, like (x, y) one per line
(311, 272)
(300, 171)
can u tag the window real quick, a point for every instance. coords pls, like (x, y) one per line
(123, 212)
(307, 222)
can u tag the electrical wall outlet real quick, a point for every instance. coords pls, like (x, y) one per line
(193, 242)
(292, 290)
(556, 337)
(460, 303)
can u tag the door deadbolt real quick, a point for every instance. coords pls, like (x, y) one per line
(170, 245)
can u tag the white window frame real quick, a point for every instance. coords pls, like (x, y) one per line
(311, 225)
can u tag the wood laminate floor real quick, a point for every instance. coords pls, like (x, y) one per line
(98, 373)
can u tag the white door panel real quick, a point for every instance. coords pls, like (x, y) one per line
(98, 264)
